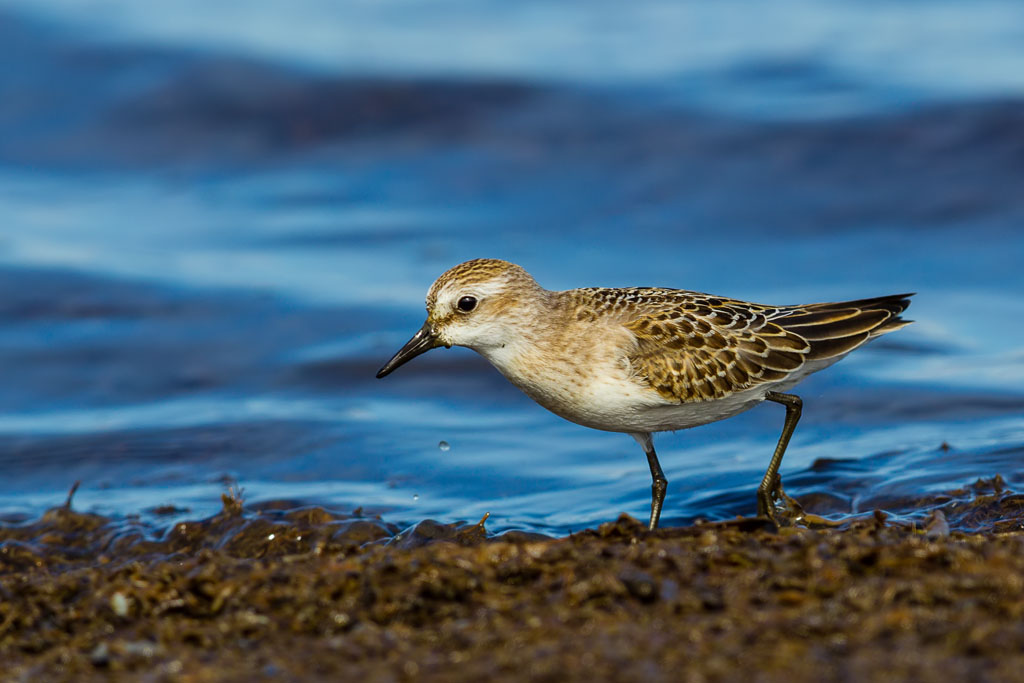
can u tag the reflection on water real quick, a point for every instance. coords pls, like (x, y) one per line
(209, 243)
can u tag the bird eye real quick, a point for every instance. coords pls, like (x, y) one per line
(467, 304)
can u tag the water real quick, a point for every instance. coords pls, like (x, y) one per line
(217, 224)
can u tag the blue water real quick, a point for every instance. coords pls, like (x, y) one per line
(216, 223)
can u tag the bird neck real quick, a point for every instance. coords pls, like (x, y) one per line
(532, 333)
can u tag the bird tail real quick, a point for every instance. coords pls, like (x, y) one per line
(835, 329)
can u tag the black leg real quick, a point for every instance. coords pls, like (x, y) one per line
(659, 484)
(772, 483)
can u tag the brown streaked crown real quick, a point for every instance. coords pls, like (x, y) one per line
(478, 271)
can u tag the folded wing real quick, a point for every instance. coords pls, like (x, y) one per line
(694, 347)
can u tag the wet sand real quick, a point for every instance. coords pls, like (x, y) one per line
(305, 594)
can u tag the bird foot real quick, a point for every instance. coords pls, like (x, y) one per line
(790, 512)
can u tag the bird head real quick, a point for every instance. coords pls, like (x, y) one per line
(475, 304)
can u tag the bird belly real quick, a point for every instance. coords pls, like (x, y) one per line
(621, 404)
(673, 416)
(593, 384)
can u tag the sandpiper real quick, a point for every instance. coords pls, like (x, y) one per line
(641, 360)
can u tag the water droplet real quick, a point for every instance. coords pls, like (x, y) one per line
(444, 445)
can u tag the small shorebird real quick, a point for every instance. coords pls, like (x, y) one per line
(641, 360)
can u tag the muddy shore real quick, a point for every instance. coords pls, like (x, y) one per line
(307, 594)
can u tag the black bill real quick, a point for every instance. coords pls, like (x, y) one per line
(421, 342)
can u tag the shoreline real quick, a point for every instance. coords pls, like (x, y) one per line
(308, 595)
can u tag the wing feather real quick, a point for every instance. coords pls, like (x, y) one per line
(695, 347)
(835, 329)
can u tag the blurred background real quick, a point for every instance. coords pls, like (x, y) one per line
(217, 220)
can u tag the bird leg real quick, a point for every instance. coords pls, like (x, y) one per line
(771, 484)
(659, 484)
